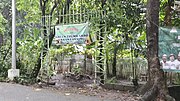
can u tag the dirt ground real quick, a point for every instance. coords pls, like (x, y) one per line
(88, 88)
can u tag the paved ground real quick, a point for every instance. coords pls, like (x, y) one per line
(15, 92)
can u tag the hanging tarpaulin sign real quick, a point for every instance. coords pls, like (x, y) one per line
(169, 48)
(71, 34)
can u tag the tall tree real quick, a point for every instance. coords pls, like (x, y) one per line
(114, 59)
(156, 87)
(44, 7)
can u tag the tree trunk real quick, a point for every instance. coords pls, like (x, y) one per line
(38, 64)
(157, 84)
(85, 62)
(114, 60)
(168, 9)
(107, 64)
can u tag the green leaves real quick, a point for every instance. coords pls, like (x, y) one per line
(31, 10)
(125, 22)
(2, 22)
(127, 25)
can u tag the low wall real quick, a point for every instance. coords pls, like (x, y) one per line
(123, 67)
(74, 61)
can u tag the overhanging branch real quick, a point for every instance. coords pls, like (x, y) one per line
(54, 6)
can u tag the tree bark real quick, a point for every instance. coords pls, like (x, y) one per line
(107, 64)
(114, 60)
(168, 9)
(116, 48)
(158, 89)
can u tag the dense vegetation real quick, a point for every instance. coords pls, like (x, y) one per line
(125, 19)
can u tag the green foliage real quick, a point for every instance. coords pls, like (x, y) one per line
(5, 59)
(24, 80)
(174, 14)
(111, 80)
(28, 50)
(31, 10)
(177, 79)
(125, 21)
(2, 79)
(3, 21)
(5, 48)
(77, 69)
(123, 13)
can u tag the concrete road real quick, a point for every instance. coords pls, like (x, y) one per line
(15, 92)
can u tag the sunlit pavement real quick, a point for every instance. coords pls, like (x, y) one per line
(15, 92)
